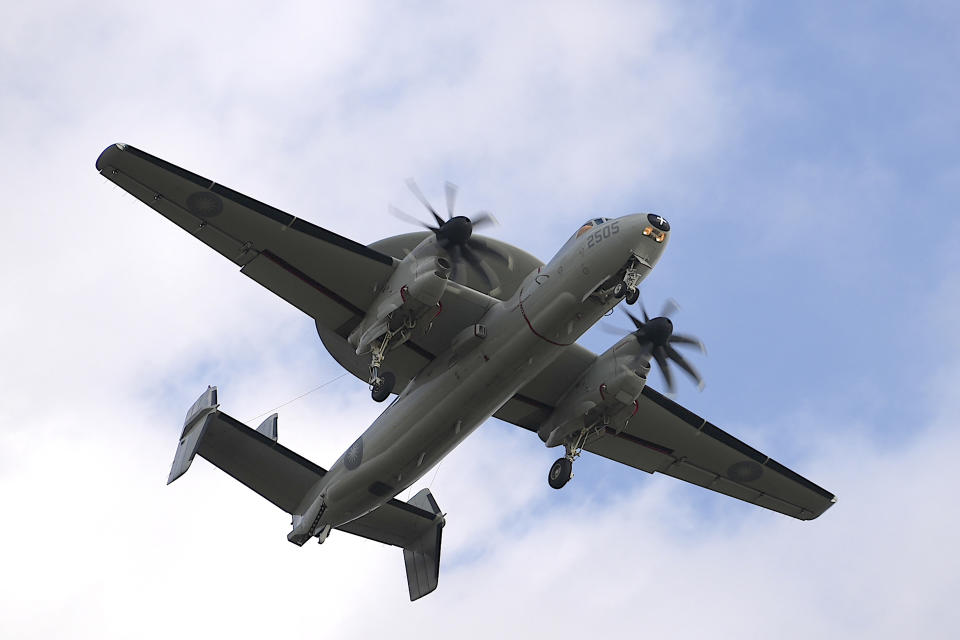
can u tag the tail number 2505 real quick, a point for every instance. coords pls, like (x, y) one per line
(603, 232)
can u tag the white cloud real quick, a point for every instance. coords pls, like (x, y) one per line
(116, 320)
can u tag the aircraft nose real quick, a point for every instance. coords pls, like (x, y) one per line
(654, 226)
(659, 222)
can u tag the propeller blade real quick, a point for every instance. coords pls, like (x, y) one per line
(684, 339)
(659, 353)
(686, 366)
(636, 321)
(483, 219)
(403, 215)
(456, 258)
(669, 306)
(477, 263)
(643, 310)
(450, 190)
(609, 328)
(483, 248)
(415, 190)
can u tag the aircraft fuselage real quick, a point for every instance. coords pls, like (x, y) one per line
(464, 386)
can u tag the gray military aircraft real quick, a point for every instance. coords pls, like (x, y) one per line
(461, 328)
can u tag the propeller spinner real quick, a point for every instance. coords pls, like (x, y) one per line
(657, 334)
(455, 235)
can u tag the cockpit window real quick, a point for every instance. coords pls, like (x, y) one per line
(590, 224)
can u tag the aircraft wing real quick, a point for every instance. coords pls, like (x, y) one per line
(667, 438)
(327, 276)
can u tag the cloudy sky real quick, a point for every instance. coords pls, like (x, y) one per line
(806, 157)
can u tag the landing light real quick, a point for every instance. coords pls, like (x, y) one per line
(657, 235)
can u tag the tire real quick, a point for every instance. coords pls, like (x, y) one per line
(620, 289)
(383, 387)
(633, 296)
(560, 473)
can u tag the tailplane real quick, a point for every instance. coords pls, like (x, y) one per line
(255, 458)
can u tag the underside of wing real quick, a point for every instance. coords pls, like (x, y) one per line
(667, 438)
(328, 277)
(529, 407)
(461, 308)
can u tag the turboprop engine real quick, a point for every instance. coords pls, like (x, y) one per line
(606, 394)
(413, 291)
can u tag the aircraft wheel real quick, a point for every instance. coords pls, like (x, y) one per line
(633, 296)
(560, 473)
(382, 387)
(620, 290)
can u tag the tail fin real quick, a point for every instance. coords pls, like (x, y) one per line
(422, 558)
(416, 527)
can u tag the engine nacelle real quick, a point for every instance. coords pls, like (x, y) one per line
(605, 394)
(413, 291)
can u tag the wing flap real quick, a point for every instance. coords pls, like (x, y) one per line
(631, 451)
(299, 290)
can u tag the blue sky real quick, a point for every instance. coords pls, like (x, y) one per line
(804, 153)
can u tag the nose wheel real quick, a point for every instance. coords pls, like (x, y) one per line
(560, 472)
(624, 290)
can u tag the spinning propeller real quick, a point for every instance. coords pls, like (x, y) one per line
(454, 234)
(657, 335)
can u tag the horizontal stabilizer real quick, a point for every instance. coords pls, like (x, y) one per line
(415, 526)
(251, 456)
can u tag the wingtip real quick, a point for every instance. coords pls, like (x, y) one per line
(106, 154)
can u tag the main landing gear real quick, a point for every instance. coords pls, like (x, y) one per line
(381, 383)
(560, 473)
(562, 470)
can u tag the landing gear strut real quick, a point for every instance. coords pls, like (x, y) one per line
(381, 383)
(628, 287)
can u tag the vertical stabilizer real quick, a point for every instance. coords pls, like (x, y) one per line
(193, 427)
(422, 558)
(269, 427)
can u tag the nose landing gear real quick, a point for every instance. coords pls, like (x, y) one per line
(628, 287)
